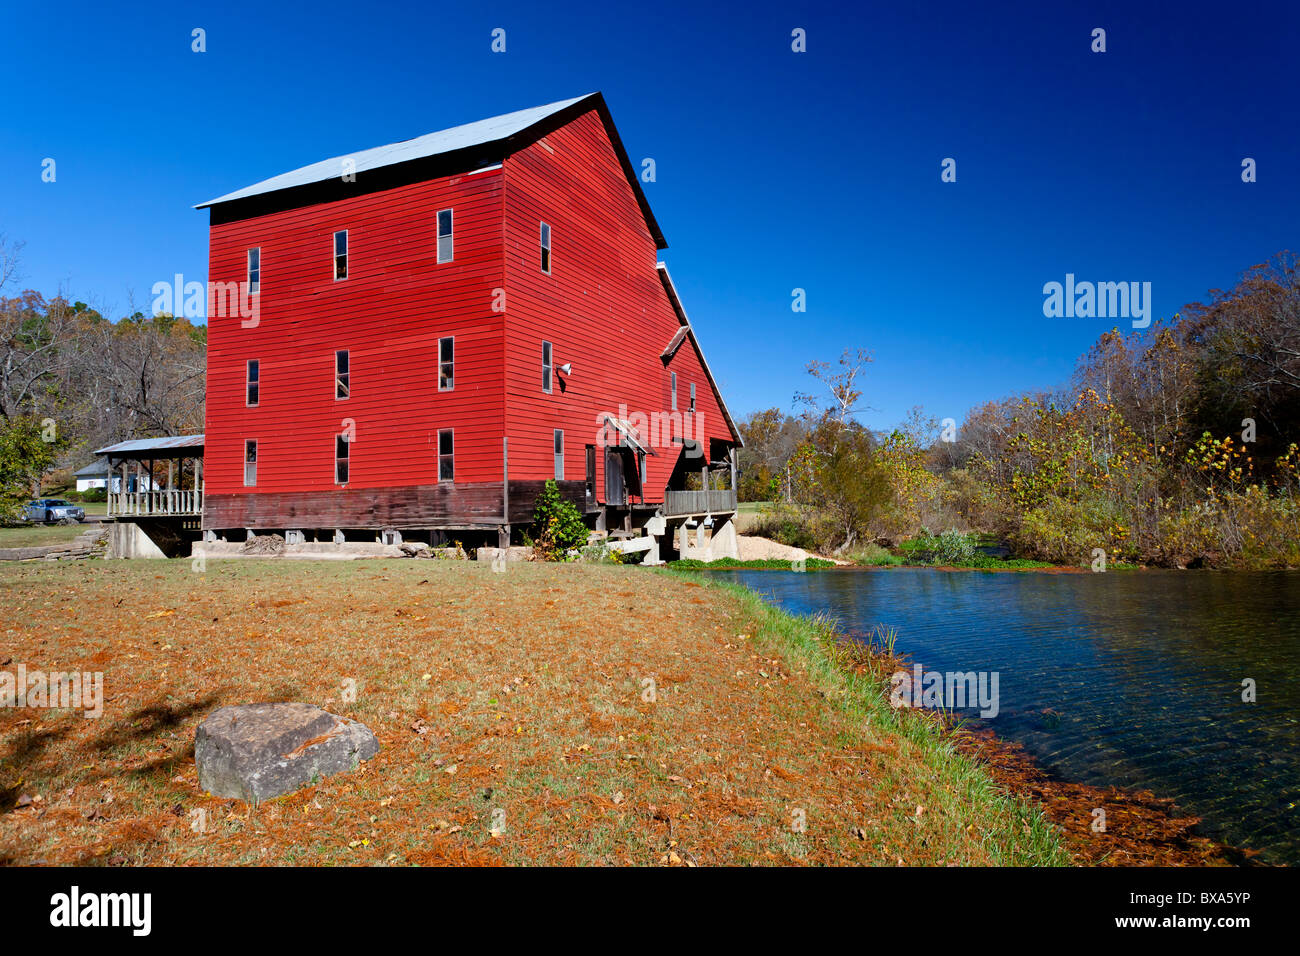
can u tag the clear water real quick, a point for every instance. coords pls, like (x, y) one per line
(1132, 679)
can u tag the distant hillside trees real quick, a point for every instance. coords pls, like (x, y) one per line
(1176, 445)
(87, 381)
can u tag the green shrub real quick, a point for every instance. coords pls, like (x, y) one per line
(559, 525)
(872, 555)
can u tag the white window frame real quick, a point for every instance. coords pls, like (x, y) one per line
(548, 367)
(443, 362)
(546, 258)
(692, 411)
(344, 378)
(251, 381)
(557, 442)
(673, 385)
(254, 285)
(346, 459)
(450, 237)
(335, 258)
(250, 443)
(450, 455)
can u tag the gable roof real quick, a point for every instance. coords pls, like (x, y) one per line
(476, 144)
(93, 470)
(687, 330)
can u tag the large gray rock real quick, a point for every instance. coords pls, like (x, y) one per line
(258, 751)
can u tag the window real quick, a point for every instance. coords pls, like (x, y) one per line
(446, 241)
(446, 364)
(547, 368)
(340, 255)
(559, 454)
(446, 455)
(673, 379)
(250, 463)
(692, 398)
(342, 374)
(250, 384)
(591, 474)
(546, 248)
(341, 449)
(254, 270)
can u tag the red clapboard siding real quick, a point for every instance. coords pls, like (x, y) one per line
(603, 306)
(389, 314)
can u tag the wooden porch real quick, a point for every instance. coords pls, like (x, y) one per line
(678, 503)
(155, 477)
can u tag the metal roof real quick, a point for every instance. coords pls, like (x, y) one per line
(478, 133)
(168, 443)
(94, 468)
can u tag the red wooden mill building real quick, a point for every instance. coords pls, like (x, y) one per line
(410, 340)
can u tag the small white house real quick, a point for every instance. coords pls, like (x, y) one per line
(95, 475)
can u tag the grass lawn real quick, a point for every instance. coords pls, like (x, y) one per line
(520, 699)
(39, 535)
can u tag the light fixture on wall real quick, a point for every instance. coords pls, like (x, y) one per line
(566, 368)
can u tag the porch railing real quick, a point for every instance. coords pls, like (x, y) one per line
(698, 502)
(162, 502)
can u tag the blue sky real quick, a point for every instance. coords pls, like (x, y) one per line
(776, 170)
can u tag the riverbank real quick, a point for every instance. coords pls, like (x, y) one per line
(614, 716)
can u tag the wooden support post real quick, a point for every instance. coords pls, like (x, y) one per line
(505, 479)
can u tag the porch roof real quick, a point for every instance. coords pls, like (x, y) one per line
(169, 446)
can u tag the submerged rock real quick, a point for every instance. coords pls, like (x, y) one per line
(255, 752)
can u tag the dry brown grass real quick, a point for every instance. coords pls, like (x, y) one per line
(521, 693)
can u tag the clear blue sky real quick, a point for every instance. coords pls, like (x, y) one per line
(776, 170)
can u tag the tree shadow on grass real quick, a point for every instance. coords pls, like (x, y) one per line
(28, 746)
(152, 719)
